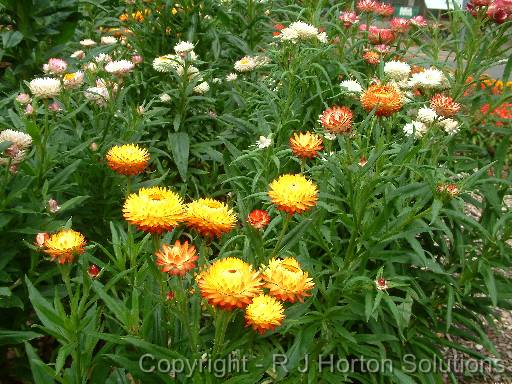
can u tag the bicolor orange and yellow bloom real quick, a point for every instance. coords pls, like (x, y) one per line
(127, 159)
(229, 283)
(306, 145)
(264, 313)
(384, 99)
(210, 217)
(286, 281)
(154, 209)
(293, 193)
(64, 245)
(177, 259)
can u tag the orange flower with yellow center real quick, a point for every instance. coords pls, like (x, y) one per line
(64, 245)
(154, 209)
(337, 119)
(286, 280)
(229, 283)
(128, 159)
(384, 99)
(178, 259)
(264, 313)
(210, 217)
(293, 193)
(306, 145)
(444, 105)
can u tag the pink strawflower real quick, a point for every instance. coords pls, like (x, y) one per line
(399, 24)
(385, 10)
(57, 66)
(23, 98)
(367, 5)
(418, 21)
(349, 18)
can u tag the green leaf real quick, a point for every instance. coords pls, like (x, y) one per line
(17, 337)
(41, 373)
(179, 144)
(11, 39)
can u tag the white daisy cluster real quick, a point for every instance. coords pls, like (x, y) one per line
(119, 67)
(351, 86)
(249, 63)
(397, 70)
(300, 31)
(16, 152)
(431, 78)
(45, 87)
(427, 117)
(98, 95)
(416, 128)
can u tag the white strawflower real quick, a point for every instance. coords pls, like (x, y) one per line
(351, 86)
(216, 80)
(183, 47)
(322, 37)
(426, 115)
(202, 88)
(397, 70)
(91, 67)
(45, 87)
(431, 78)
(263, 142)
(416, 127)
(20, 139)
(73, 80)
(245, 64)
(261, 60)
(330, 136)
(450, 126)
(78, 55)
(108, 40)
(165, 98)
(103, 58)
(288, 34)
(99, 95)
(163, 64)
(87, 43)
(119, 67)
(231, 77)
(192, 72)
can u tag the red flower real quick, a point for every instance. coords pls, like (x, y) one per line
(258, 219)
(93, 271)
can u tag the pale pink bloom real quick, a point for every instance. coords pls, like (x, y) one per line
(137, 59)
(349, 18)
(73, 80)
(382, 48)
(53, 206)
(23, 98)
(419, 21)
(57, 66)
(29, 110)
(55, 107)
(119, 67)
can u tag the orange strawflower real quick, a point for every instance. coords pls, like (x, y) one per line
(210, 217)
(128, 159)
(64, 245)
(178, 259)
(337, 119)
(286, 280)
(306, 145)
(229, 283)
(293, 193)
(384, 99)
(264, 313)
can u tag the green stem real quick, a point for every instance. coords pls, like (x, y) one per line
(222, 319)
(286, 221)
